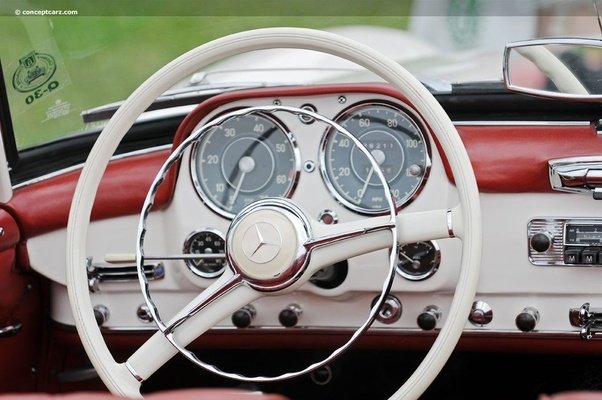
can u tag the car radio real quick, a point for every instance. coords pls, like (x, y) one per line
(565, 241)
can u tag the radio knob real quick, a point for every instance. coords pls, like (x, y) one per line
(527, 320)
(541, 242)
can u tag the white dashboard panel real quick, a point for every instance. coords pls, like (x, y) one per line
(508, 283)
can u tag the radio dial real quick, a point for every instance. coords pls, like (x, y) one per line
(541, 242)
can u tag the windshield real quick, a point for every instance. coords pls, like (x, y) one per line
(56, 67)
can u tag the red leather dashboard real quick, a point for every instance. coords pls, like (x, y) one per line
(505, 158)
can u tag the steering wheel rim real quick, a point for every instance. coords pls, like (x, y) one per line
(118, 377)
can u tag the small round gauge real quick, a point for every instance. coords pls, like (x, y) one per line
(206, 241)
(395, 141)
(244, 159)
(418, 261)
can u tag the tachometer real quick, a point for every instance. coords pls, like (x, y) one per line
(396, 142)
(244, 159)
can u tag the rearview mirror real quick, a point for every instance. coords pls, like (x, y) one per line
(568, 68)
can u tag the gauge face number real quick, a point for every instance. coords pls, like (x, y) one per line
(244, 159)
(205, 242)
(419, 260)
(395, 142)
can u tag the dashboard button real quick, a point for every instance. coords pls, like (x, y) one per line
(590, 255)
(572, 255)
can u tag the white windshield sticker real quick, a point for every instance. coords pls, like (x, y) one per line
(37, 75)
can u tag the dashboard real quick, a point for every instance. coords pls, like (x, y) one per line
(255, 153)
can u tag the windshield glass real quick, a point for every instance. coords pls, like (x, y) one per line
(55, 67)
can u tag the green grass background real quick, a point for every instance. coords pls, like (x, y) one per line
(106, 57)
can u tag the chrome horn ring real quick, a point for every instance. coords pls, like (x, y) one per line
(297, 259)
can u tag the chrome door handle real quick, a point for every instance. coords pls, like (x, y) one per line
(577, 175)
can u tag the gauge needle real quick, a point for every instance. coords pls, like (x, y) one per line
(246, 164)
(379, 157)
(415, 263)
(365, 187)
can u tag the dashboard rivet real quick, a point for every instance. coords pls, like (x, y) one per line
(342, 99)
(415, 170)
(277, 102)
(309, 166)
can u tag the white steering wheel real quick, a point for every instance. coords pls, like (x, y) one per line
(462, 221)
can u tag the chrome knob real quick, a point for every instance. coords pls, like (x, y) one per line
(289, 317)
(527, 320)
(390, 311)
(481, 314)
(428, 318)
(244, 317)
(143, 313)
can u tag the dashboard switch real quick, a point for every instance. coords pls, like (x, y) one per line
(527, 320)
(428, 318)
(101, 314)
(481, 314)
(289, 317)
(243, 317)
(390, 311)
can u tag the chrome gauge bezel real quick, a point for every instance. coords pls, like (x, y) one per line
(186, 250)
(423, 132)
(206, 198)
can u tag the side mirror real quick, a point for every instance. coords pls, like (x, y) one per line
(566, 68)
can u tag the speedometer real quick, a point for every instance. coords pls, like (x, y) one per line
(244, 159)
(397, 143)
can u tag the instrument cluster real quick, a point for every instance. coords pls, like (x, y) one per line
(253, 156)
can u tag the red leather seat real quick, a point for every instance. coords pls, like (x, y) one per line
(188, 394)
